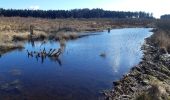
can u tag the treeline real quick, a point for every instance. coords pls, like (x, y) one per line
(75, 13)
(167, 16)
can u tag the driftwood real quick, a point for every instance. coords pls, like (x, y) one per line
(53, 54)
(50, 53)
(57, 54)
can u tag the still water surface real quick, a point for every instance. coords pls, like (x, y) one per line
(79, 74)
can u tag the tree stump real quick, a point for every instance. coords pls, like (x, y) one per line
(31, 29)
(108, 30)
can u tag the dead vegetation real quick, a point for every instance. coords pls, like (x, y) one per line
(6, 43)
(9, 46)
(14, 29)
(161, 38)
(18, 28)
(157, 91)
(19, 24)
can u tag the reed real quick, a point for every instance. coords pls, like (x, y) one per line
(162, 35)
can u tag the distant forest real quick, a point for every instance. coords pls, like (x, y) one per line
(75, 13)
(167, 16)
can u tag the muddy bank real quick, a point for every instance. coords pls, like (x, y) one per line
(149, 80)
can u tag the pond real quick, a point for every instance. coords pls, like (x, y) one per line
(87, 66)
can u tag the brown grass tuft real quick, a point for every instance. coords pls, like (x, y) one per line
(162, 35)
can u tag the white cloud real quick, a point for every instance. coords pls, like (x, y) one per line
(34, 7)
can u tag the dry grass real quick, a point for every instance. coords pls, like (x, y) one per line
(4, 47)
(66, 35)
(163, 40)
(162, 35)
(6, 41)
(54, 25)
(144, 96)
(9, 36)
(18, 28)
(158, 90)
(49, 25)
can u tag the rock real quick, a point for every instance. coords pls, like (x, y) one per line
(155, 66)
(165, 57)
(108, 98)
(11, 86)
(116, 83)
(132, 89)
(145, 82)
(126, 96)
(162, 50)
(4, 86)
(103, 54)
(15, 72)
(157, 58)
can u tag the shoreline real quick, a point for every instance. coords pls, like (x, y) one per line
(12, 45)
(18, 28)
(149, 80)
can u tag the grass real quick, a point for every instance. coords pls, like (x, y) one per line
(18, 28)
(74, 25)
(162, 36)
(66, 35)
(144, 96)
(49, 25)
(6, 41)
(8, 46)
(158, 90)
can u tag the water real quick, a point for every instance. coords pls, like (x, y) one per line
(79, 74)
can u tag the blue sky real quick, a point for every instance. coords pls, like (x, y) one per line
(157, 7)
(52, 4)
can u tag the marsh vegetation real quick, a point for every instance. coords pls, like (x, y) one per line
(81, 60)
(13, 29)
(161, 37)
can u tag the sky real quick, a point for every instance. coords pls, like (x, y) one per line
(157, 7)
